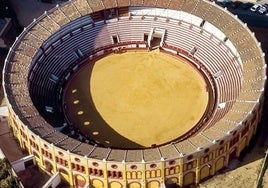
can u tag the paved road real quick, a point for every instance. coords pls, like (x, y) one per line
(27, 10)
(251, 18)
(8, 142)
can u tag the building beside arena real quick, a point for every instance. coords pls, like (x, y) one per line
(60, 42)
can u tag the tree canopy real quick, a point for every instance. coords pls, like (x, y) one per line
(7, 180)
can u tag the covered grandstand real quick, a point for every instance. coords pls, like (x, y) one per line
(58, 43)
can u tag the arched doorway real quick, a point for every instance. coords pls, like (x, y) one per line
(134, 185)
(64, 174)
(153, 184)
(97, 183)
(189, 178)
(80, 181)
(115, 185)
(205, 172)
(48, 166)
(232, 154)
(219, 164)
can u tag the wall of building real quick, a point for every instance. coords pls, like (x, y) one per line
(81, 171)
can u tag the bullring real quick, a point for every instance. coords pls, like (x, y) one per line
(56, 44)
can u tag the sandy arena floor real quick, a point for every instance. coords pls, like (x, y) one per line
(137, 93)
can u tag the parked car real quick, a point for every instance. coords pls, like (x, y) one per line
(225, 3)
(255, 7)
(263, 9)
(236, 4)
(246, 5)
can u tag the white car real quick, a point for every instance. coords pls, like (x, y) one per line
(263, 9)
(255, 7)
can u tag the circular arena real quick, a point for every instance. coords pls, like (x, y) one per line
(138, 94)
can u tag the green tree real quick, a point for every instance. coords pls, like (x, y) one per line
(7, 180)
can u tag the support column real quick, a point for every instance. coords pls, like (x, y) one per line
(256, 122)
(29, 148)
(239, 144)
(197, 171)
(181, 163)
(54, 158)
(213, 163)
(40, 151)
(19, 136)
(87, 171)
(227, 154)
(163, 166)
(124, 174)
(71, 181)
(143, 174)
(105, 175)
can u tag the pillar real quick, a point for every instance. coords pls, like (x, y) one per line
(143, 185)
(29, 147)
(227, 154)
(105, 175)
(197, 171)
(162, 170)
(124, 174)
(213, 162)
(54, 158)
(181, 163)
(87, 171)
(71, 181)
(40, 151)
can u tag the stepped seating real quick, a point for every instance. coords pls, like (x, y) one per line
(59, 17)
(40, 33)
(95, 5)
(211, 52)
(70, 11)
(82, 6)
(136, 2)
(203, 8)
(32, 41)
(190, 6)
(179, 34)
(149, 2)
(162, 3)
(49, 24)
(109, 4)
(123, 3)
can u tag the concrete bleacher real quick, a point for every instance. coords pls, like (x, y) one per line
(122, 27)
(58, 52)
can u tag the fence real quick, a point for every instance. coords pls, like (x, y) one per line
(262, 171)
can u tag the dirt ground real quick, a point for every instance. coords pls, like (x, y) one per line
(138, 93)
(241, 173)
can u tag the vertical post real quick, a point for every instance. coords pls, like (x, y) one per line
(143, 174)
(181, 172)
(19, 135)
(71, 181)
(197, 172)
(239, 144)
(40, 151)
(214, 162)
(162, 171)
(105, 173)
(54, 158)
(227, 154)
(28, 147)
(124, 174)
(87, 171)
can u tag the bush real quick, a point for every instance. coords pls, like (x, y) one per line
(7, 180)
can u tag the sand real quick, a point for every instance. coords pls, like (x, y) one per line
(150, 98)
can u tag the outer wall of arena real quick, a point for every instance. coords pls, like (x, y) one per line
(186, 170)
(94, 171)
